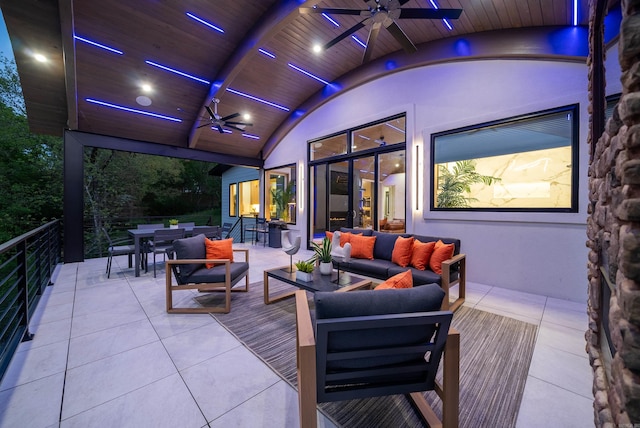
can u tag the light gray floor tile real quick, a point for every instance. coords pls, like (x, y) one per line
(60, 297)
(546, 405)
(164, 403)
(95, 383)
(239, 373)
(563, 369)
(276, 406)
(35, 404)
(167, 325)
(506, 313)
(564, 338)
(50, 313)
(195, 346)
(156, 303)
(37, 363)
(102, 299)
(102, 320)
(474, 292)
(514, 302)
(555, 314)
(112, 341)
(47, 333)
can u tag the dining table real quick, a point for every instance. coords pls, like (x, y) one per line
(139, 235)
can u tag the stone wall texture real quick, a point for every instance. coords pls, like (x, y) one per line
(613, 236)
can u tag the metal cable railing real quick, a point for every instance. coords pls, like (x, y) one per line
(27, 264)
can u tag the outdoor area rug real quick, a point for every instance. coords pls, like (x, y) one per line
(495, 356)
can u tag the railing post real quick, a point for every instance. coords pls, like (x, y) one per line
(242, 229)
(24, 285)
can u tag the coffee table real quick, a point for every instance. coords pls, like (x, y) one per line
(348, 282)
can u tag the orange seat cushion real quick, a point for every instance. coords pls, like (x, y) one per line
(401, 280)
(218, 249)
(421, 254)
(361, 246)
(402, 251)
(441, 252)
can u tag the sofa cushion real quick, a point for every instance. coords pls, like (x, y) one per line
(402, 251)
(219, 249)
(441, 252)
(401, 280)
(384, 245)
(364, 232)
(361, 246)
(190, 248)
(421, 254)
(375, 268)
(420, 277)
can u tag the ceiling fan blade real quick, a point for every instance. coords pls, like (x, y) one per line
(239, 123)
(329, 10)
(234, 127)
(231, 116)
(219, 128)
(371, 41)
(417, 13)
(210, 112)
(347, 33)
(402, 38)
(202, 126)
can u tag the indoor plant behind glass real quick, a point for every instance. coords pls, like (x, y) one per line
(305, 270)
(323, 254)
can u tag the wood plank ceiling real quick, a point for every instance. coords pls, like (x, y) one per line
(162, 32)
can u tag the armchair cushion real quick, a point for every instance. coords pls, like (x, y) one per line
(190, 248)
(217, 273)
(219, 249)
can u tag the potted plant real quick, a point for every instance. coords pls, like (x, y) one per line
(323, 255)
(281, 198)
(305, 270)
(173, 223)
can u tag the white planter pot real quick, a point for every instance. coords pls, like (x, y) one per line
(326, 268)
(304, 276)
(173, 226)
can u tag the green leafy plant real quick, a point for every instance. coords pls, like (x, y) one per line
(454, 186)
(304, 266)
(281, 198)
(323, 252)
(173, 221)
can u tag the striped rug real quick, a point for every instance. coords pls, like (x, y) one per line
(495, 356)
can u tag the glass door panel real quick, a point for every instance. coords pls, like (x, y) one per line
(318, 214)
(361, 197)
(391, 193)
(340, 206)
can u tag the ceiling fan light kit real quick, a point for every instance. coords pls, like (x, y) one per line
(220, 123)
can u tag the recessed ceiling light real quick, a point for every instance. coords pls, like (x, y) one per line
(246, 116)
(143, 100)
(40, 58)
(317, 48)
(146, 87)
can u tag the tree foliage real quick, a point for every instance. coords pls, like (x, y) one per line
(454, 187)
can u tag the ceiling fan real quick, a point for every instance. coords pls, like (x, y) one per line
(383, 13)
(219, 122)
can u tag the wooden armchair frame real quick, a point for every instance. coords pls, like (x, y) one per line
(205, 286)
(461, 281)
(308, 372)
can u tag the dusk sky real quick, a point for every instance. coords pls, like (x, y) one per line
(5, 44)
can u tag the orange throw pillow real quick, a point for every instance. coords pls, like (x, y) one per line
(346, 237)
(421, 254)
(441, 252)
(401, 280)
(402, 251)
(329, 235)
(218, 249)
(362, 246)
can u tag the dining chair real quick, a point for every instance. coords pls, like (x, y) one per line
(118, 248)
(260, 227)
(147, 244)
(163, 243)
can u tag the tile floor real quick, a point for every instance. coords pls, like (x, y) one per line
(105, 354)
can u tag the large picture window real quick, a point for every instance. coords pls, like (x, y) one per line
(523, 163)
(281, 194)
(249, 198)
(233, 200)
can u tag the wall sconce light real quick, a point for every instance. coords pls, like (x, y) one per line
(301, 187)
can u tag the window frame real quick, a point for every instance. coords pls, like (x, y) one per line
(233, 199)
(293, 171)
(574, 109)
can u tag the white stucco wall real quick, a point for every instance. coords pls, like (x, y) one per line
(541, 253)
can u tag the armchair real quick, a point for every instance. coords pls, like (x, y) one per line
(191, 273)
(376, 343)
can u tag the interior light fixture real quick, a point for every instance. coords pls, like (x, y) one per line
(260, 100)
(207, 23)
(132, 110)
(254, 137)
(360, 42)
(267, 53)
(313, 76)
(178, 72)
(444, 20)
(99, 45)
(394, 127)
(330, 19)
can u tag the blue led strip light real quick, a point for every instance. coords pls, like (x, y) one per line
(360, 42)
(101, 46)
(181, 73)
(313, 76)
(575, 12)
(267, 53)
(254, 137)
(132, 110)
(260, 100)
(445, 21)
(330, 19)
(207, 23)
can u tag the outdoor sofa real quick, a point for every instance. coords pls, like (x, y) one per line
(381, 266)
